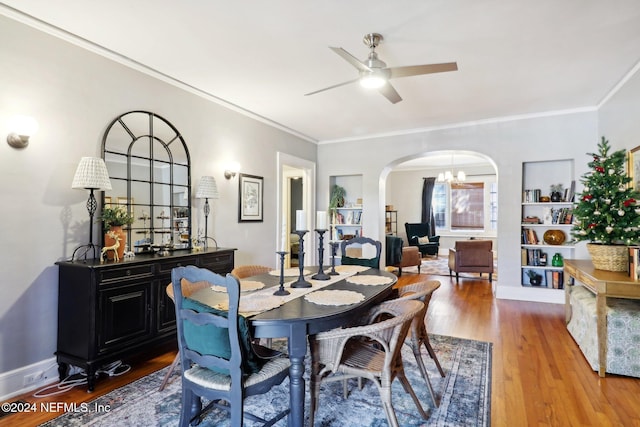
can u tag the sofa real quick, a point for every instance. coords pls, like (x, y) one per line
(399, 256)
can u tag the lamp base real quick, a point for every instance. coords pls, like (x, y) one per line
(89, 246)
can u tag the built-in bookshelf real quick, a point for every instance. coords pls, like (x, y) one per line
(546, 225)
(346, 221)
(391, 222)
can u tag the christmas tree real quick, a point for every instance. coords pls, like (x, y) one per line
(606, 211)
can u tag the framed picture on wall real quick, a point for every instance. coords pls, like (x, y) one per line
(634, 167)
(250, 198)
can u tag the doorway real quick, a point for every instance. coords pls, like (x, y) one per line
(296, 189)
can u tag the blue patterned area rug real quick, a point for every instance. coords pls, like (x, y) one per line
(465, 395)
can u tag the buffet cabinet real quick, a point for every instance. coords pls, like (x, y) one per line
(114, 310)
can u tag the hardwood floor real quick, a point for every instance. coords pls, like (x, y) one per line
(540, 377)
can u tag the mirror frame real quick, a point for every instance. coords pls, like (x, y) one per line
(157, 152)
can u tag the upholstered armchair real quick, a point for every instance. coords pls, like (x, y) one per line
(471, 256)
(397, 255)
(419, 234)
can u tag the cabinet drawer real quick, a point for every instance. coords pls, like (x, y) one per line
(218, 263)
(167, 266)
(133, 271)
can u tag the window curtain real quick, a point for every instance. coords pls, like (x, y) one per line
(427, 210)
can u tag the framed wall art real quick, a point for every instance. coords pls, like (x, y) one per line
(250, 198)
(634, 167)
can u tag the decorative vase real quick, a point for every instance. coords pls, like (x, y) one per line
(609, 257)
(110, 241)
(557, 260)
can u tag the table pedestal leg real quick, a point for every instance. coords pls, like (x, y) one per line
(297, 352)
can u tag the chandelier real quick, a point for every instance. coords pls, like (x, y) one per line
(449, 176)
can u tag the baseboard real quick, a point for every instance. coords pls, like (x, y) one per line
(12, 382)
(521, 293)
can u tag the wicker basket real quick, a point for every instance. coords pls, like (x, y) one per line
(609, 257)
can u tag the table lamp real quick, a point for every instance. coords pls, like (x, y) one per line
(207, 189)
(91, 175)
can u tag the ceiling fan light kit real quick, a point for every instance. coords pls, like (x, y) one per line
(374, 73)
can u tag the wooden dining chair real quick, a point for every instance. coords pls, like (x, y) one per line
(421, 291)
(218, 360)
(244, 271)
(372, 351)
(354, 252)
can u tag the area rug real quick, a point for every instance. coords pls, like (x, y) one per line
(440, 267)
(465, 395)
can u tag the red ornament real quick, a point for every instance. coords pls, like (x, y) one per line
(587, 197)
(593, 225)
(600, 169)
(629, 202)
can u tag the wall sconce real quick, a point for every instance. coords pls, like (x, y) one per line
(232, 169)
(22, 127)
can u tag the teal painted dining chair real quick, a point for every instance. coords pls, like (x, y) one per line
(218, 360)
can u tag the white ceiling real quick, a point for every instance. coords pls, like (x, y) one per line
(516, 57)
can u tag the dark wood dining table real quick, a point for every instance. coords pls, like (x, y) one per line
(299, 318)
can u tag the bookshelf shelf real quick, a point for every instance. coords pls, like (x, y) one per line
(540, 215)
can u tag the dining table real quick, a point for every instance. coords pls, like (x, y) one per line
(306, 311)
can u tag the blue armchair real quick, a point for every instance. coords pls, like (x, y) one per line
(419, 234)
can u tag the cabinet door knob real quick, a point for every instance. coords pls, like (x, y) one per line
(128, 273)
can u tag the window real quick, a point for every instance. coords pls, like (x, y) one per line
(467, 205)
(461, 206)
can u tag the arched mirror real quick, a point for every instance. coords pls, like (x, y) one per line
(149, 167)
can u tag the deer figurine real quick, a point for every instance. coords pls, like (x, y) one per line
(113, 247)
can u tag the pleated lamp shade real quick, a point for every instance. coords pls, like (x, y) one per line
(91, 174)
(207, 189)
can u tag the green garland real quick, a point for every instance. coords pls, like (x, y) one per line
(606, 211)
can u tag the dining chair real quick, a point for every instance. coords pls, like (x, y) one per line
(244, 271)
(371, 351)
(187, 289)
(421, 291)
(355, 251)
(218, 360)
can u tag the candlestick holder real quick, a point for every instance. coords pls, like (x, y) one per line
(281, 291)
(301, 282)
(334, 245)
(321, 275)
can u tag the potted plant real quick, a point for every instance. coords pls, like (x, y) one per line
(336, 198)
(556, 192)
(114, 218)
(607, 214)
(535, 279)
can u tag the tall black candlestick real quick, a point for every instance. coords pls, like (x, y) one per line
(321, 275)
(281, 291)
(301, 282)
(333, 271)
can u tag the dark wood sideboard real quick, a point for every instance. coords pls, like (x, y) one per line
(114, 310)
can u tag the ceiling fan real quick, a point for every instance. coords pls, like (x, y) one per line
(375, 74)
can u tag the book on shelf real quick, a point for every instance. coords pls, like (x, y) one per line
(529, 236)
(555, 279)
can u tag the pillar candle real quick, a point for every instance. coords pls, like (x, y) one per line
(283, 239)
(321, 220)
(301, 221)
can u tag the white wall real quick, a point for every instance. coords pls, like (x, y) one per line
(74, 94)
(506, 143)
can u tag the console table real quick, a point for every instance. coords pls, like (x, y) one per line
(603, 284)
(112, 310)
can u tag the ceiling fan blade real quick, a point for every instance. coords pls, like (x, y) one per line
(415, 70)
(331, 87)
(350, 58)
(390, 93)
